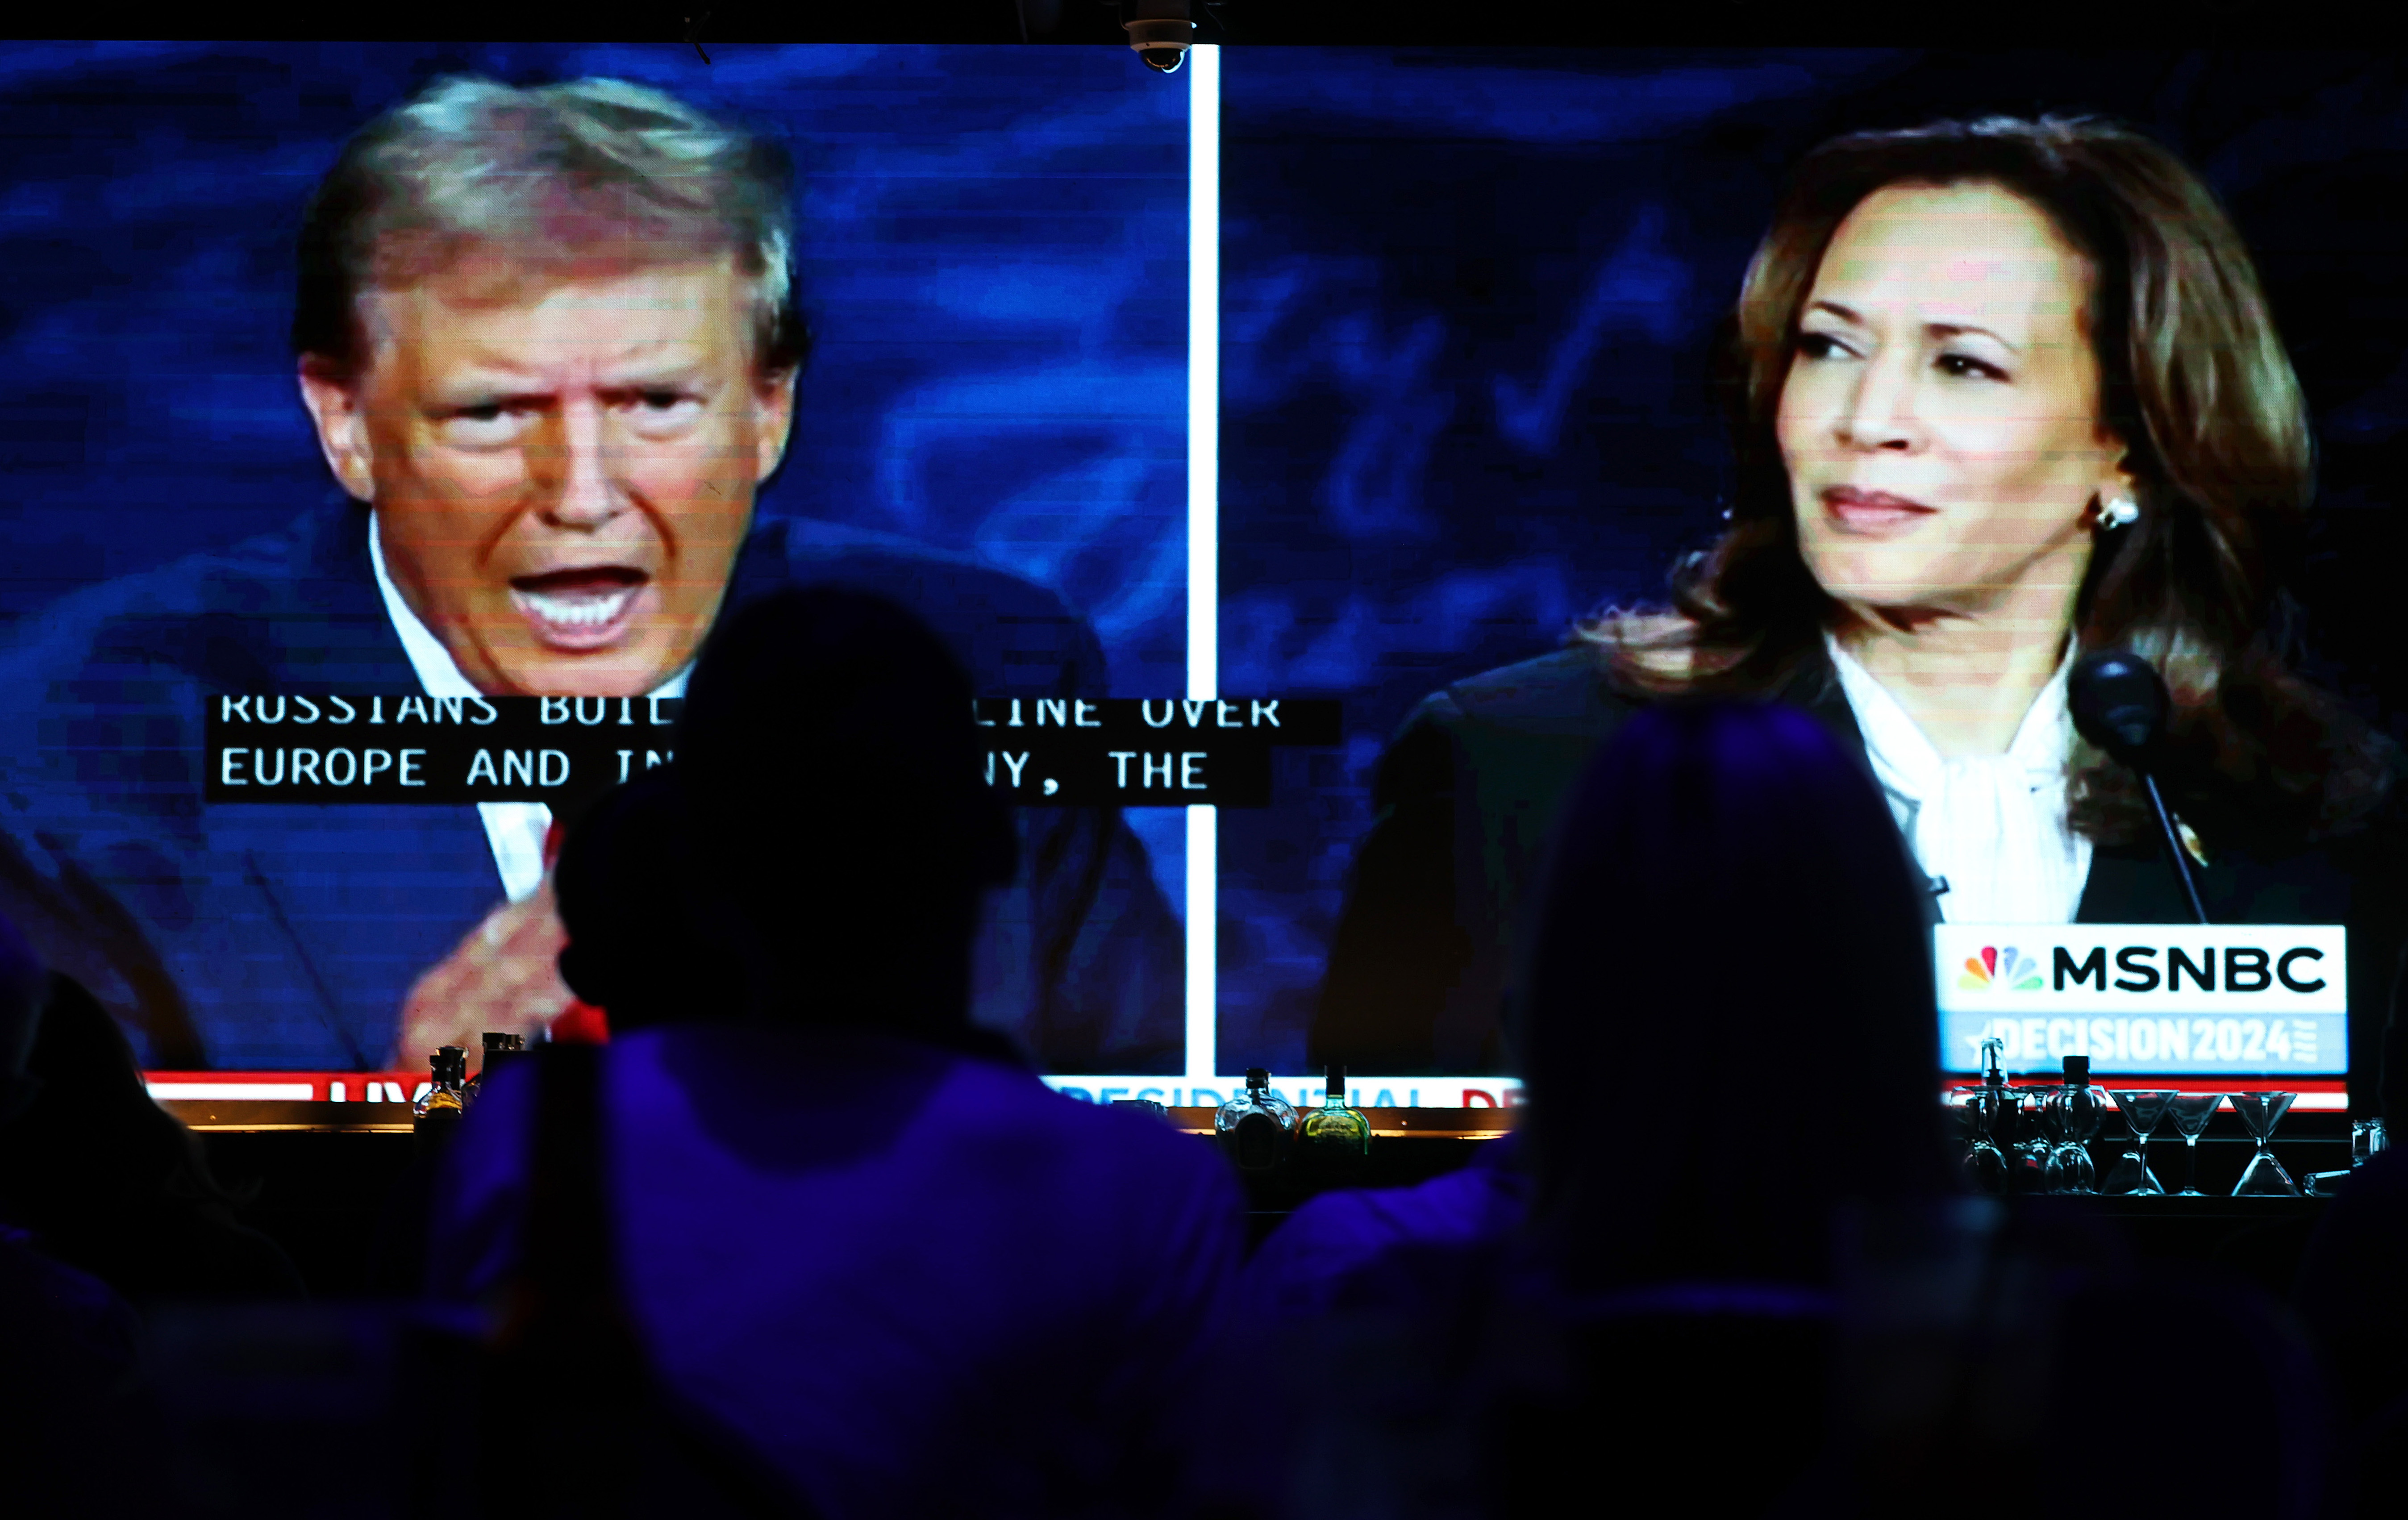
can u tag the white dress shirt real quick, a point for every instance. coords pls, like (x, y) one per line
(1993, 826)
(516, 830)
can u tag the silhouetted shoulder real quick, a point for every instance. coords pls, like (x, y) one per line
(1133, 1147)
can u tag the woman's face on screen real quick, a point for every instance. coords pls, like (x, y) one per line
(1941, 421)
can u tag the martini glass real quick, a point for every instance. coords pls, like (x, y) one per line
(2190, 1112)
(2141, 1110)
(2265, 1177)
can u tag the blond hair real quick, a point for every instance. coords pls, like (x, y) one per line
(559, 179)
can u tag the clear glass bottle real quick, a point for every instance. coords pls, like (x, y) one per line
(1257, 1128)
(1989, 1112)
(1335, 1137)
(2080, 1110)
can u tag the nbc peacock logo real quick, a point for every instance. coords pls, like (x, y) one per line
(2010, 968)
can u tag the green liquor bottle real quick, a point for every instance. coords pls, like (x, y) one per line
(1336, 1140)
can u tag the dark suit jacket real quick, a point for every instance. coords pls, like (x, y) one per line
(1466, 801)
(287, 936)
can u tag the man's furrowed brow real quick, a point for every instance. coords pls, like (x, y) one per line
(494, 389)
(485, 384)
(662, 363)
(654, 376)
(487, 374)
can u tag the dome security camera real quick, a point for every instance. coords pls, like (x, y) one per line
(1160, 31)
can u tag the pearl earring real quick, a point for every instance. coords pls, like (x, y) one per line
(2118, 512)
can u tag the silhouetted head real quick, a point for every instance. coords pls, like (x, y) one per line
(841, 830)
(91, 1143)
(621, 886)
(1727, 1011)
(22, 992)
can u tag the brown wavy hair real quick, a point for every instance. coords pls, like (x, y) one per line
(2194, 381)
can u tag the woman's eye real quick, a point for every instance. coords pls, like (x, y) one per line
(1965, 367)
(1817, 345)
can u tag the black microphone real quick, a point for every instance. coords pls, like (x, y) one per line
(2119, 703)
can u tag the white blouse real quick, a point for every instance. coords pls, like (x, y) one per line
(1992, 828)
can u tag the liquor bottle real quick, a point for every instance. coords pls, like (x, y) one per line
(2079, 1109)
(1256, 1127)
(500, 1048)
(436, 1114)
(1989, 1114)
(1336, 1140)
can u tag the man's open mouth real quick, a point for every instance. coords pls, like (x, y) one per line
(579, 608)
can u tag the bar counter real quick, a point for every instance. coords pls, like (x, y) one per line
(274, 1115)
(329, 1176)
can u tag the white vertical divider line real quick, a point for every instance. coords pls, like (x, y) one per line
(1203, 535)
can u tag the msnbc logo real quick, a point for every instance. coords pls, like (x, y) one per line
(2010, 968)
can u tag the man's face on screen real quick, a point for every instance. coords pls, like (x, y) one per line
(563, 474)
(1940, 421)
